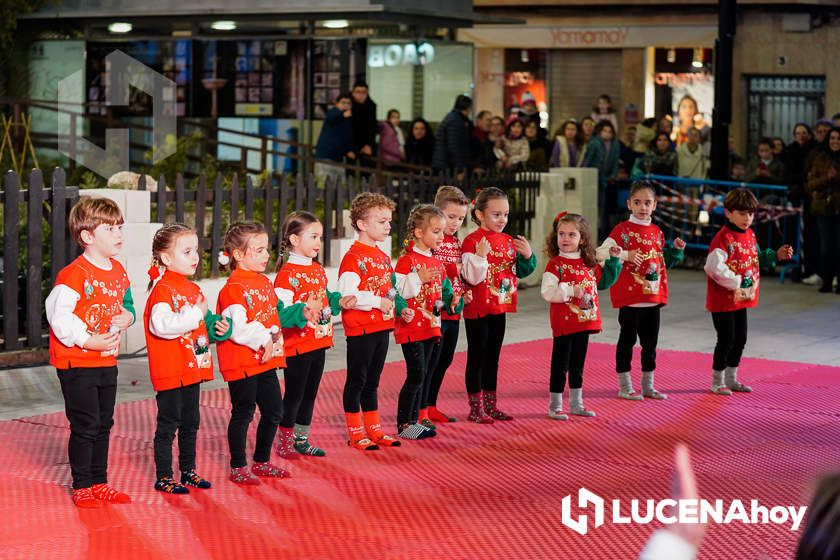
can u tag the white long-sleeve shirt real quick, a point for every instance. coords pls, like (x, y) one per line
(718, 271)
(168, 324)
(254, 335)
(552, 289)
(474, 268)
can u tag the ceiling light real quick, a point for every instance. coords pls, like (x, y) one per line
(223, 25)
(120, 27)
(336, 23)
(671, 56)
(697, 60)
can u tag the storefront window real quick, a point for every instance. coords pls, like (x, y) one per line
(525, 83)
(685, 90)
(447, 76)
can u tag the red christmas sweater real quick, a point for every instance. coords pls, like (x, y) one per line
(497, 293)
(248, 299)
(647, 282)
(296, 281)
(568, 313)
(176, 360)
(372, 278)
(100, 294)
(449, 253)
(427, 317)
(733, 269)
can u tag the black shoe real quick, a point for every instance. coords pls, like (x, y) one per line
(825, 288)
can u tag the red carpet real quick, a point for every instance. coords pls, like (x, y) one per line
(472, 492)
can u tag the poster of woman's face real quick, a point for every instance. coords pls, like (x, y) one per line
(692, 98)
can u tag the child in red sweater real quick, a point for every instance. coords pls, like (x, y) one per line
(306, 316)
(179, 329)
(422, 281)
(249, 359)
(88, 310)
(366, 273)
(733, 268)
(454, 204)
(492, 262)
(641, 289)
(570, 283)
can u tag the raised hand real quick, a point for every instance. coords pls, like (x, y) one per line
(615, 251)
(679, 244)
(522, 246)
(427, 274)
(785, 253)
(482, 248)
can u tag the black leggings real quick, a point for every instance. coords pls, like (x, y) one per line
(731, 327)
(303, 377)
(365, 359)
(484, 345)
(177, 410)
(644, 323)
(418, 357)
(89, 397)
(568, 354)
(246, 394)
(441, 360)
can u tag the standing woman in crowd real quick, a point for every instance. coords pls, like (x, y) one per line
(603, 154)
(795, 158)
(420, 144)
(391, 138)
(660, 159)
(587, 128)
(568, 146)
(823, 186)
(539, 147)
(516, 149)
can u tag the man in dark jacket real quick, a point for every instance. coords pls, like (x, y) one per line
(336, 139)
(365, 126)
(452, 139)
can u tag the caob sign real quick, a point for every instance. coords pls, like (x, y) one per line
(400, 54)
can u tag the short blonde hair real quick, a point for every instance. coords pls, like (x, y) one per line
(90, 213)
(365, 202)
(450, 195)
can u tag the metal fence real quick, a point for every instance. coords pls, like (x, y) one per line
(36, 245)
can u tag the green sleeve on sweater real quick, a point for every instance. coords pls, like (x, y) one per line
(210, 320)
(291, 316)
(399, 301)
(767, 258)
(334, 299)
(524, 267)
(449, 295)
(673, 257)
(128, 303)
(609, 273)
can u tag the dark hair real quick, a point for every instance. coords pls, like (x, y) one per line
(163, 241)
(649, 122)
(601, 126)
(513, 122)
(741, 199)
(498, 118)
(482, 198)
(806, 126)
(360, 83)
(587, 245)
(294, 224)
(462, 103)
(237, 237)
(605, 97)
(364, 202)
(341, 96)
(482, 114)
(419, 217)
(821, 537)
(835, 116)
(641, 186)
(390, 112)
(766, 141)
(450, 195)
(656, 139)
(561, 131)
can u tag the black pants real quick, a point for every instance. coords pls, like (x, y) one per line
(441, 360)
(246, 394)
(568, 354)
(641, 322)
(89, 398)
(365, 359)
(829, 228)
(731, 328)
(484, 345)
(303, 377)
(418, 358)
(177, 410)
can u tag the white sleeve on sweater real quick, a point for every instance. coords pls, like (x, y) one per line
(253, 335)
(602, 253)
(68, 328)
(554, 291)
(474, 268)
(666, 545)
(408, 285)
(169, 324)
(286, 297)
(717, 270)
(348, 285)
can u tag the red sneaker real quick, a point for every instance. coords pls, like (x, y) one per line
(107, 494)
(84, 498)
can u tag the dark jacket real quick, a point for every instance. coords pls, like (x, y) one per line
(776, 169)
(336, 136)
(452, 142)
(824, 192)
(540, 152)
(419, 152)
(365, 125)
(795, 171)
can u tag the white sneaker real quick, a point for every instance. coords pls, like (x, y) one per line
(813, 280)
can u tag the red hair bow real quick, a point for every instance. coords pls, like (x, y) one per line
(478, 190)
(154, 272)
(560, 215)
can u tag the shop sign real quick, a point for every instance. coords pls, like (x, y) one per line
(400, 54)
